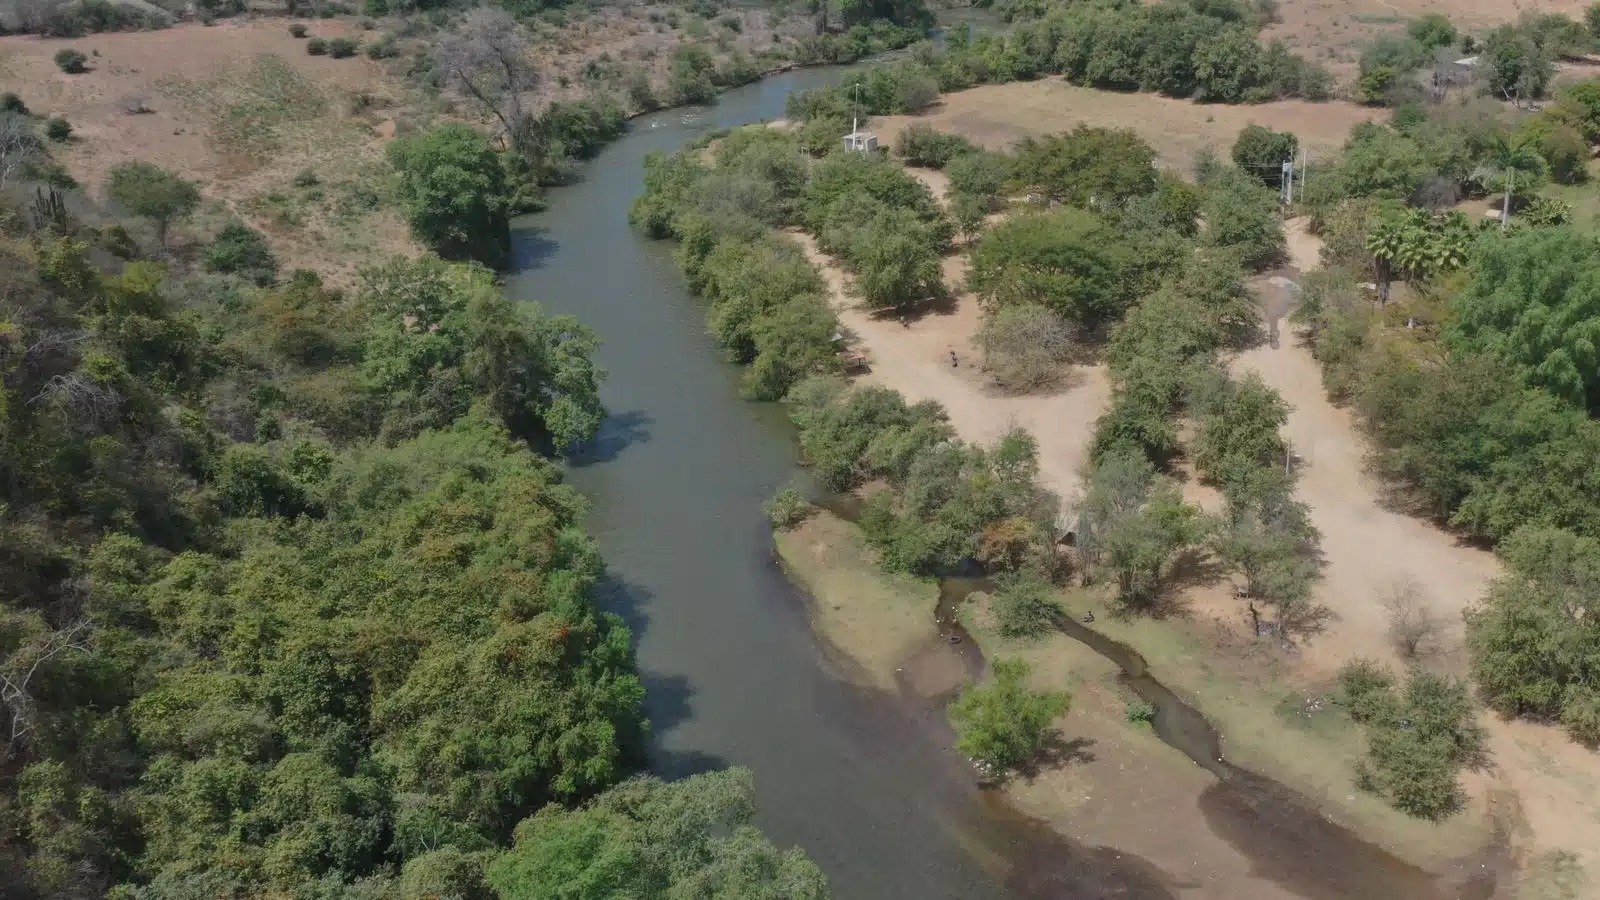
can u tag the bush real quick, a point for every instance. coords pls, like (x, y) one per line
(297, 30)
(1242, 216)
(787, 508)
(342, 48)
(1024, 606)
(920, 145)
(316, 47)
(1140, 713)
(383, 48)
(1024, 346)
(71, 61)
(1432, 30)
(980, 175)
(1416, 742)
(58, 130)
(1003, 725)
(11, 103)
(241, 250)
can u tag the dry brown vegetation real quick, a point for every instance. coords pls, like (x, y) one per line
(996, 116)
(1333, 31)
(241, 109)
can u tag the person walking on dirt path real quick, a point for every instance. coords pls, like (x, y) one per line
(953, 363)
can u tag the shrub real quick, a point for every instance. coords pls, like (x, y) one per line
(11, 103)
(787, 508)
(384, 48)
(1140, 713)
(1416, 741)
(1003, 725)
(1242, 216)
(316, 47)
(297, 30)
(1024, 607)
(342, 48)
(306, 178)
(71, 61)
(1432, 30)
(241, 250)
(980, 175)
(1024, 346)
(58, 130)
(920, 145)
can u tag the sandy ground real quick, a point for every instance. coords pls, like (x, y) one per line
(875, 620)
(914, 359)
(1554, 784)
(996, 116)
(1368, 547)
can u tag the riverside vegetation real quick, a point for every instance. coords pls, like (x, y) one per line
(1121, 269)
(294, 600)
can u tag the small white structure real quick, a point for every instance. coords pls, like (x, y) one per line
(860, 141)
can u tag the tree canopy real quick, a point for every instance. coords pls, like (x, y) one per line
(453, 189)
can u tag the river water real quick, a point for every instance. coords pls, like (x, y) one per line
(865, 783)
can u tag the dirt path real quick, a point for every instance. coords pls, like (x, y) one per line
(914, 359)
(1368, 547)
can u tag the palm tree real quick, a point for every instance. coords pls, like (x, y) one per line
(1510, 153)
(1387, 243)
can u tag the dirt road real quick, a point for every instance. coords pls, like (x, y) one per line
(914, 359)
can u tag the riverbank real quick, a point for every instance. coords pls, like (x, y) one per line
(1116, 782)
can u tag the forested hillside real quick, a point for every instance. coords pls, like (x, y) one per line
(293, 602)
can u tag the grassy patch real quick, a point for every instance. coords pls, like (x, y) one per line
(254, 110)
(1584, 199)
(1553, 876)
(873, 618)
(1293, 736)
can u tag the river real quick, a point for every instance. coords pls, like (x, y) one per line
(866, 783)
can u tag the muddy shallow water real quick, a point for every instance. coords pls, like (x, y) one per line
(865, 782)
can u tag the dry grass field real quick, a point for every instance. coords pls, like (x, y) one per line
(291, 143)
(1333, 31)
(996, 116)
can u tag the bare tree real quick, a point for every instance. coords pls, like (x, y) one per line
(1413, 625)
(21, 666)
(19, 143)
(488, 59)
(1025, 346)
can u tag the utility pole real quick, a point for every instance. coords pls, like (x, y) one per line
(1305, 166)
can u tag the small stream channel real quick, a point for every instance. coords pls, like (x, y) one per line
(865, 782)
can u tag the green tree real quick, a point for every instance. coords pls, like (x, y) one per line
(1242, 216)
(1512, 161)
(1004, 726)
(1260, 152)
(1238, 428)
(980, 175)
(151, 192)
(1024, 345)
(896, 261)
(453, 189)
(1066, 260)
(1433, 30)
(536, 371)
(1533, 302)
(1087, 167)
(1532, 636)
(648, 838)
(1514, 65)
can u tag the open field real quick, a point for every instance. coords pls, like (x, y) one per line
(1333, 31)
(997, 116)
(241, 109)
